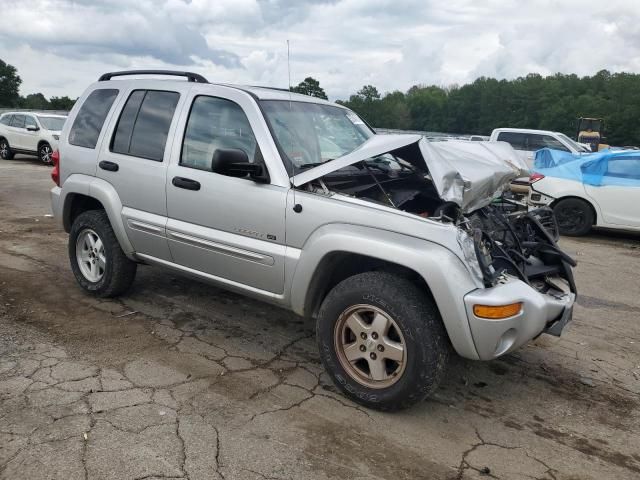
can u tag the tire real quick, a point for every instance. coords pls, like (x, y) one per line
(574, 217)
(117, 272)
(5, 150)
(417, 327)
(44, 153)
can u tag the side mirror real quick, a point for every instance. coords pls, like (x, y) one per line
(234, 162)
(32, 129)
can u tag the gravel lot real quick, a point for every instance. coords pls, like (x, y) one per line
(181, 380)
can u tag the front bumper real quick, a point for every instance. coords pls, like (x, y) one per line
(541, 313)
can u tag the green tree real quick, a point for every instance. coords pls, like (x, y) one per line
(310, 86)
(35, 101)
(61, 103)
(369, 93)
(9, 85)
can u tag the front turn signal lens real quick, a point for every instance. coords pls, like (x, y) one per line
(497, 312)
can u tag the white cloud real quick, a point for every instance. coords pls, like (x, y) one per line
(59, 46)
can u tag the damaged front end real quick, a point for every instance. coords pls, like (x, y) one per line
(522, 245)
(458, 183)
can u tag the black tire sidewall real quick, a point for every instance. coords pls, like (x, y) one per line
(425, 341)
(583, 228)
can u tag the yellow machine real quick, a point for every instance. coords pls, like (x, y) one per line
(590, 131)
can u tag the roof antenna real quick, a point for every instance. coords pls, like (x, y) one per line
(296, 206)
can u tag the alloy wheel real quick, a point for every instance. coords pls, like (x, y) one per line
(370, 346)
(90, 255)
(4, 150)
(45, 154)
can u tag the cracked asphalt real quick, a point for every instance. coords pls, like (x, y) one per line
(179, 379)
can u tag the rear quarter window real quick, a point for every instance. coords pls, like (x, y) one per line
(90, 119)
(6, 120)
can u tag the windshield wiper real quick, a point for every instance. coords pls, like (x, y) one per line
(313, 165)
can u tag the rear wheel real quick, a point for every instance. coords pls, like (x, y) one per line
(382, 340)
(574, 216)
(98, 263)
(44, 154)
(5, 150)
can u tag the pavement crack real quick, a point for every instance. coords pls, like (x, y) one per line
(183, 448)
(262, 475)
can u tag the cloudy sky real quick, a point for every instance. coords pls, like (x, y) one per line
(60, 46)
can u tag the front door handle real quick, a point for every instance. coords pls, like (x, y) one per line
(110, 166)
(185, 183)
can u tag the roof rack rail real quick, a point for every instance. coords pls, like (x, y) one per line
(271, 88)
(191, 77)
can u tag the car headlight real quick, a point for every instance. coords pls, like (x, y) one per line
(56, 137)
(468, 247)
(478, 256)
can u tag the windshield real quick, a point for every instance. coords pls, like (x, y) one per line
(311, 133)
(52, 123)
(575, 145)
(590, 124)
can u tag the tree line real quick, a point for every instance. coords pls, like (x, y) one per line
(549, 103)
(10, 96)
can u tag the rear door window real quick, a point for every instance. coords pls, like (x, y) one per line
(515, 139)
(90, 119)
(143, 126)
(18, 121)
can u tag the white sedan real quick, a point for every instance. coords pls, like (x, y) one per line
(601, 190)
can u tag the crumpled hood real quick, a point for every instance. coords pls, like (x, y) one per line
(469, 174)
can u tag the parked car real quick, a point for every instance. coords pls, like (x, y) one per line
(599, 189)
(29, 133)
(393, 247)
(527, 141)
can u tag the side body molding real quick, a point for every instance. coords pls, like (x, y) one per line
(443, 271)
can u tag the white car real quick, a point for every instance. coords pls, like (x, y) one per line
(30, 134)
(579, 204)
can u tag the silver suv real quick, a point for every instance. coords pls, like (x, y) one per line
(394, 244)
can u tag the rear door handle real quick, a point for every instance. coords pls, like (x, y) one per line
(110, 166)
(185, 183)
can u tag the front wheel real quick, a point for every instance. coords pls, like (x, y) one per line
(98, 263)
(5, 150)
(382, 340)
(574, 217)
(45, 153)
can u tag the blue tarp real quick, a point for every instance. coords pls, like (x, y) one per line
(608, 167)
